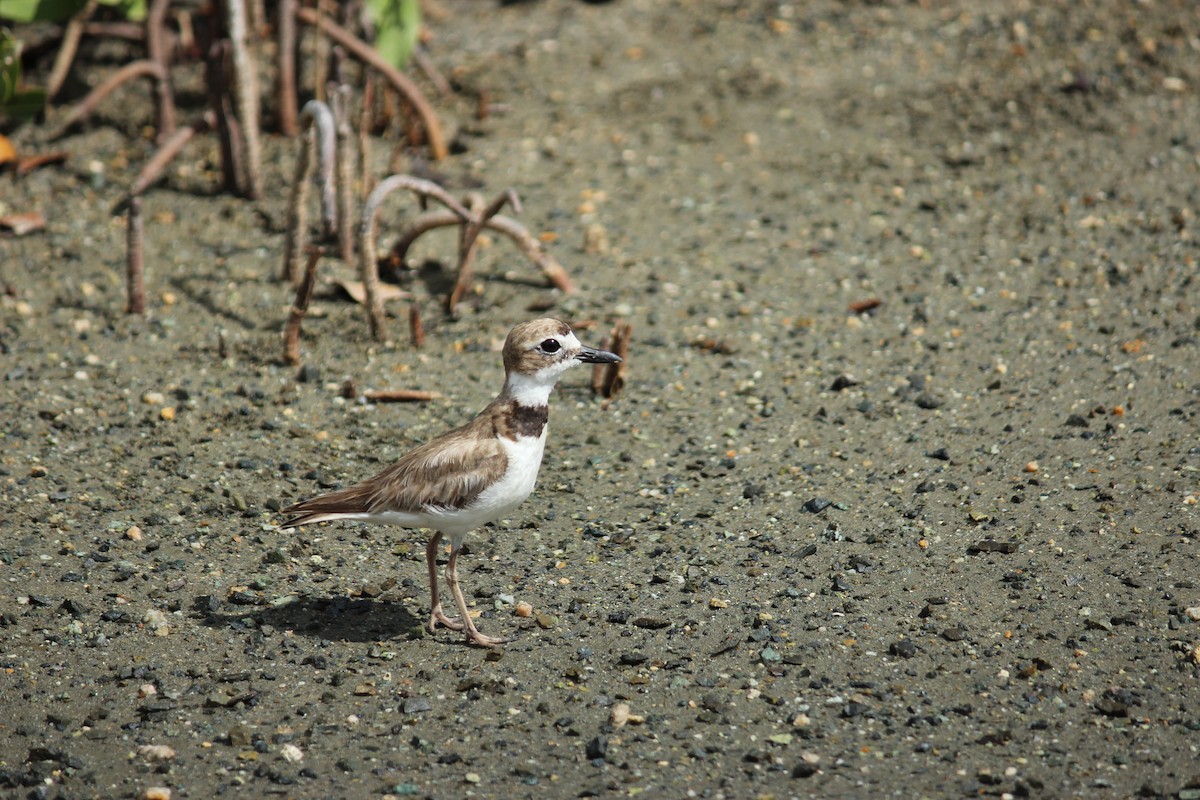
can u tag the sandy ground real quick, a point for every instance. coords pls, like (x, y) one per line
(899, 500)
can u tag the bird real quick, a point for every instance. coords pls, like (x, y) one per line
(472, 474)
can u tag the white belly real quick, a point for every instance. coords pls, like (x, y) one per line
(524, 459)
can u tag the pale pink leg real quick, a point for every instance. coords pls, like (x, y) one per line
(436, 615)
(473, 634)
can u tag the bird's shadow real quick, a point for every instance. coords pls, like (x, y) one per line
(356, 619)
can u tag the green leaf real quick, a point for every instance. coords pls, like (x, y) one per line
(59, 10)
(40, 10)
(23, 106)
(133, 10)
(10, 65)
(397, 23)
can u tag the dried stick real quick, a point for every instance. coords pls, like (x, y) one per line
(130, 31)
(528, 244)
(87, 105)
(366, 54)
(291, 337)
(415, 328)
(30, 163)
(426, 65)
(609, 379)
(166, 153)
(227, 127)
(157, 48)
(368, 264)
(318, 135)
(364, 135)
(297, 213)
(322, 52)
(368, 267)
(245, 91)
(317, 112)
(288, 113)
(135, 274)
(345, 172)
(66, 53)
(470, 235)
(400, 396)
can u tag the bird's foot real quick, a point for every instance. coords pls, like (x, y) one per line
(475, 637)
(437, 618)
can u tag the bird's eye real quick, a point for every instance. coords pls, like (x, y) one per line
(550, 346)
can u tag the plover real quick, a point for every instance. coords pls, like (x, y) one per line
(472, 474)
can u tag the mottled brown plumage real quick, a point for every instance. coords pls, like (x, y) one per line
(472, 474)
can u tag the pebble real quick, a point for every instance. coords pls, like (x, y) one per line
(1193, 613)
(809, 763)
(597, 748)
(155, 793)
(716, 602)
(416, 705)
(291, 753)
(817, 504)
(154, 398)
(651, 623)
(134, 533)
(156, 752)
(156, 621)
(523, 609)
(546, 621)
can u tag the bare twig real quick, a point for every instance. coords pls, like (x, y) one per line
(167, 152)
(345, 172)
(609, 379)
(368, 266)
(322, 50)
(87, 105)
(130, 31)
(288, 114)
(426, 65)
(297, 213)
(470, 235)
(227, 127)
(157, 48)
(66, 53)
(400, 396)
(415, 328)
(28, 164)
(291, 338)
(317, 112)
(528, 244)
(135, 275)
(366, 54)
(318, 135)
(245, 90)
(364, 135)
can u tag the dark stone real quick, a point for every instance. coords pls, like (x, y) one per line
(817, 504)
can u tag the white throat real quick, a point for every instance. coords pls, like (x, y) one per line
(531, 390)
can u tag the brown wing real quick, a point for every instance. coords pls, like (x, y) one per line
(448, 472)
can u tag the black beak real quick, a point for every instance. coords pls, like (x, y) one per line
(590, 355)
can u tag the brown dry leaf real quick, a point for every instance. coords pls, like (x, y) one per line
(23, 223)
(7, 151)
(359, 295)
